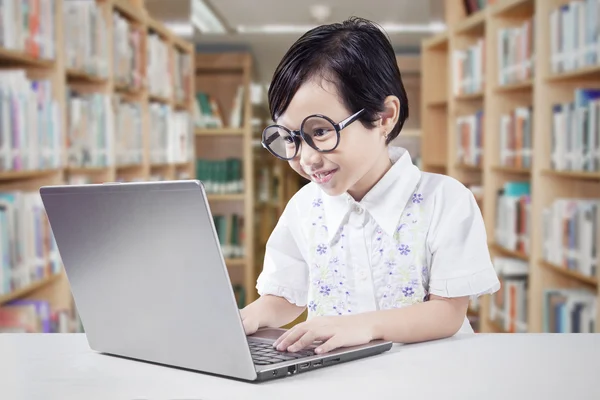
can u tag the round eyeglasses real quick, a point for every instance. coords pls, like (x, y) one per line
(318, 131)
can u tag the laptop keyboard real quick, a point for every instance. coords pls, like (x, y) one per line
(265, 354)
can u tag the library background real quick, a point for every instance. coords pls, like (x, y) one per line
(504, 96)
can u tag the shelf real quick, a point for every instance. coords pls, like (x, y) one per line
(17, 57)
(469, 167)
(588, 280)
(515, 87)
(123, 168)
(34, 174)
(437, 42)
(509, 253)
(513, 8)
(159, 99)
(469, 96)
(512, 170)
(438, 103)
(181, 106)
(81, 76)
(235, 262)
(27, 289)
(87, 170)
(474, 24)
(592, 72)
(126, 90)
(495, 327)
(226, 197)
(219, 131)
(583, 175)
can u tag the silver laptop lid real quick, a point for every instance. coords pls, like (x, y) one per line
(147, 274)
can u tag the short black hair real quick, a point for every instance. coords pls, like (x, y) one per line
(357, 56)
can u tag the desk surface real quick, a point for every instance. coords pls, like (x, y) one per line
(500, 366)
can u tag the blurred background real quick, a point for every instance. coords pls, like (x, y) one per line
(504, 95)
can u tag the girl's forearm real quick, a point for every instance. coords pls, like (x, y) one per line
(274, 311)
(431, 320)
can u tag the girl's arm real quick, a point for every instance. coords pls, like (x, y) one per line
(434, 319)
(269, 311)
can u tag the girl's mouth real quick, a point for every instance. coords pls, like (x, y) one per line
(323, 176)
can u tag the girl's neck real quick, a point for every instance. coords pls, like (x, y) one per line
(366, 183)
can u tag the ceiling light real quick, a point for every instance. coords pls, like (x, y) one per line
(205, 19)
(180, 28)
(295, 29)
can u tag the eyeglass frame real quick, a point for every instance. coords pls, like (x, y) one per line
(298, 134)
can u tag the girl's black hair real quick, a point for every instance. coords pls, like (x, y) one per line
(357, 56)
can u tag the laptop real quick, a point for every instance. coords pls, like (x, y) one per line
(150, 282)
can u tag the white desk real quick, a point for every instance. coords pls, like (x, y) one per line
(486, 367)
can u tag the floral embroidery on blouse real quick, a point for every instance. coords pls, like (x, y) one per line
(399, 263)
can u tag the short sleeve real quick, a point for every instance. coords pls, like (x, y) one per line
(285, 272)
(460, 260)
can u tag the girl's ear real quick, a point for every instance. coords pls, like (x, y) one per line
(390, 114)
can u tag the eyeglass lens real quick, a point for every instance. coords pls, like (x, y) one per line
(320, 130)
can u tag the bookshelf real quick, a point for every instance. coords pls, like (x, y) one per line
(82, 72)
(536, 172)
(225, 159)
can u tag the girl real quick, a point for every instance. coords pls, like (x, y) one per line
(375, 248)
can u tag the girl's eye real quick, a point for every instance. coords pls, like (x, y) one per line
(288, 140)
(321, 132)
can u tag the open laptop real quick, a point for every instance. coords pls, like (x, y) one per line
(150, 282)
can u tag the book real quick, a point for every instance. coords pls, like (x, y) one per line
(30, 134)
(569, 311)
(221, 176)
(516, 138)
(468, 67)
(128, 60)
(158, 67)
(183, 74)
(85, 33)
(575, 136)
(90, 127)
(470, 138)
(513, 217)
(508, 307)
(171, 135)
(571, 228)
(575, 35)
(230, 233)
(129, 146)
(516, 53)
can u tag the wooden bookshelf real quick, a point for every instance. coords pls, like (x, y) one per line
(224, 80)
(503, 92)
(63, 77)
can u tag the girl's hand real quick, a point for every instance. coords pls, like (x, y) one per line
(334, 332)
(249, 321)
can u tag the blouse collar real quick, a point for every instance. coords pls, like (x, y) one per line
(385, 202)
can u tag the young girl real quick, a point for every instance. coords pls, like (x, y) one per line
(375, 248)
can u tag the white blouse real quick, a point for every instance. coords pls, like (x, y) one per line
(413, 234)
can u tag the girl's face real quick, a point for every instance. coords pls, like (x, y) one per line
(361, 157)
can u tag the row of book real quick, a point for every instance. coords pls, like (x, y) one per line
(513, 217)
(470, 138)
(85, 33)
(30, 128)
(570, 311)
(221, 176)
(128, 60)
(171, 135)
(575, 35)
(516, 138)
(28, 26)
(158, 67)
(516, 53)
(576, 132)
(508, 306)
(570, 234)
(28, 251)
(268, 184)
(90, 127)
(230, 231)
(129, 127)
(38, 316)
(469, 69)
(209, 113)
